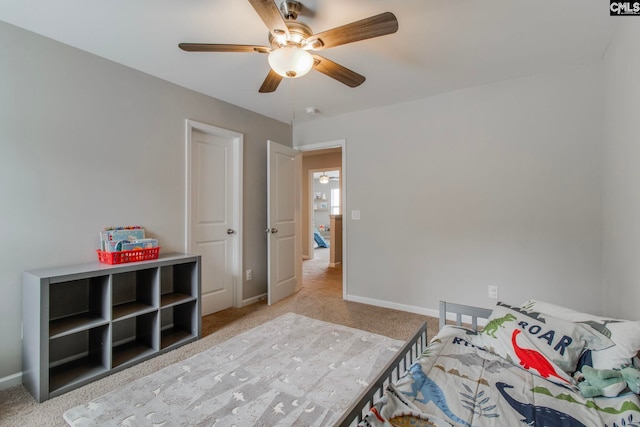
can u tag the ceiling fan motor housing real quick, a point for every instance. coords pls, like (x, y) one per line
(290, 9)
(298, 32)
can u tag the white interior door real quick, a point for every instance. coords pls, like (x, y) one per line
(213, 218)
(284, 166)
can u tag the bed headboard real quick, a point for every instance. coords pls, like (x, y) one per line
(463, 310)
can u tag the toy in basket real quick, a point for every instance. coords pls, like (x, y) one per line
(119, 245)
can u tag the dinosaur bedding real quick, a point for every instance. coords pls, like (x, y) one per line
(513, 373)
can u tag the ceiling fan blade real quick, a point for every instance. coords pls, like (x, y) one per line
(337, 71)
(271, 83)
(270, 15)
(209, 47)
(374, 26)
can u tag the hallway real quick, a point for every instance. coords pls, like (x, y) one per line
(317, 274)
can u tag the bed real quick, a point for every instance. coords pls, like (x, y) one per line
(517, 370)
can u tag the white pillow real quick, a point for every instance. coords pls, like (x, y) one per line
(549, 346)
(625, 334)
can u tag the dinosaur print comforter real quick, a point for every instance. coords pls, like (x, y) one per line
(456, 383)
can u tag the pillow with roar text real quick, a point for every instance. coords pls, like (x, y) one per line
(542, 344)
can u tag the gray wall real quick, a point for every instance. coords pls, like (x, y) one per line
(492, 185)
(84, 143)
(621, 236)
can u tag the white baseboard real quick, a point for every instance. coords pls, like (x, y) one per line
(410, 308)
(11, 380)
(394, 306)
(249, 301)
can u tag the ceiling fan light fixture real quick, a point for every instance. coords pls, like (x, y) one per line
(291, 61)
(324, 179)
(280, 37)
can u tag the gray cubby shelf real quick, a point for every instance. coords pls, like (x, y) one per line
(83, 322)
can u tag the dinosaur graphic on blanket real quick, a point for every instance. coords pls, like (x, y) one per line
(533, 359)
(474, 359)
(538, 415)
(431, 392)
(493, 326)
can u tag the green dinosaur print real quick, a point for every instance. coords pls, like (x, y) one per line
(493, 326)
(626, 406)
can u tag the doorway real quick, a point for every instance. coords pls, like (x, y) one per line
(318, 208)
(326, 215)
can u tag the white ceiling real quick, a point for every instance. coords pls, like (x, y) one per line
(441, 45)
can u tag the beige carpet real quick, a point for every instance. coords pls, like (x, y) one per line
(320, 298)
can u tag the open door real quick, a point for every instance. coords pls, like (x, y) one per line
(283, 221)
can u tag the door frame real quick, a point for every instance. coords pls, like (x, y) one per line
(342, 144)
(238, 138)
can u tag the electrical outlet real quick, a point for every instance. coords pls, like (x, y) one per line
(249, 274)
(493, 292)
(355, 215)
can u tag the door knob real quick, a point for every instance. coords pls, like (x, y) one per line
(230, 231)
(274, 230)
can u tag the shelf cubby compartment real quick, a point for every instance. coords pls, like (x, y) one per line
(78, 305)
(178, 283)
(179, 324)
(78, 358)
(134, 293)
(134, 339)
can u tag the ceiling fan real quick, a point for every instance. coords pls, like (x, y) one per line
(324, 178)
(291, 41)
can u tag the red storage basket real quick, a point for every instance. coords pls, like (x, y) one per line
(122, 257)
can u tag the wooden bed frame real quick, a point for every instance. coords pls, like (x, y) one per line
(405, 357)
